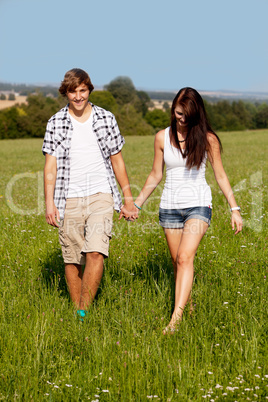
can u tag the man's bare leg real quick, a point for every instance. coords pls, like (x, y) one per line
(91, 279)
(73, 274)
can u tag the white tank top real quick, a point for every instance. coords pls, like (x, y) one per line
(184, 188)
(88, 174)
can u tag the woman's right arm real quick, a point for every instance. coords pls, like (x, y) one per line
(156, 174)
(50, 175)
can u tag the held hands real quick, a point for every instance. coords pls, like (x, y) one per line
(236, 221)
(129, 211)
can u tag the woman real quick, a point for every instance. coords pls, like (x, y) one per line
(186, 202)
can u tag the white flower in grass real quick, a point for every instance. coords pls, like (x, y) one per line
(218, 386)
(210, 372)
(56, 386)
(266, 375)
(105, 390)
(68, 385)
(225, 303)
(257, 375)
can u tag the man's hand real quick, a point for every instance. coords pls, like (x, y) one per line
(50, 175)
(52, 215)
(129, 212)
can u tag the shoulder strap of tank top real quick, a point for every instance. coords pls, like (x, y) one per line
(167, 137)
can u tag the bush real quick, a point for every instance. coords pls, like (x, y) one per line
(158, 119)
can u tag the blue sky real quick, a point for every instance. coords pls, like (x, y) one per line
(160, 45)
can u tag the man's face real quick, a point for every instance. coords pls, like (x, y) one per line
(78, 99)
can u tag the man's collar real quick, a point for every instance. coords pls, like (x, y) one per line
(96, 114)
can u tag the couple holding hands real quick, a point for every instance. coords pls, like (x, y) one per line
(83, 161)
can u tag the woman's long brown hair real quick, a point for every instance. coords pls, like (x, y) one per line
(196, 143)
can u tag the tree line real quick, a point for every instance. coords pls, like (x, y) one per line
(132, 109)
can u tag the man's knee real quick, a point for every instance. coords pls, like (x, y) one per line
(94, 256)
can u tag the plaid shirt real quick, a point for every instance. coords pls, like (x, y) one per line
(57, 142)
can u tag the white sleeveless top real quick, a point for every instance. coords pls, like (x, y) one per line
(184, 188)
(88, 173)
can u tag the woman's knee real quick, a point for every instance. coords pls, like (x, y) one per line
(184, 259)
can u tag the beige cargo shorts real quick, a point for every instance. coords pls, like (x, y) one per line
(86, 227)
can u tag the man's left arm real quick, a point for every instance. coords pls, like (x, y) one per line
(128, 210)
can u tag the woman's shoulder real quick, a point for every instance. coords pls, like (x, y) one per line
(212, 138)
(162, 133)
(160, 138)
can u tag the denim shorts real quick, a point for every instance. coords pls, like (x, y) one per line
(176, 218)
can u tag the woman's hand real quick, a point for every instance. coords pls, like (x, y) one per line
(129, 212)
(237, 221)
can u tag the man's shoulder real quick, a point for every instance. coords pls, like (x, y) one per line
(60, 115)
(102, 113)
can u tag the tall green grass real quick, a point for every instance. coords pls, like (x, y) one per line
(119, 352)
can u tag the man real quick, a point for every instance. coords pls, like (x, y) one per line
(82, 147)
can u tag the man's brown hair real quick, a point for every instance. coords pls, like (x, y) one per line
(72, 79)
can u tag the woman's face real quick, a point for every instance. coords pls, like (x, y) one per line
(180, 116)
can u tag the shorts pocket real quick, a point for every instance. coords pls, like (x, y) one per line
(108, 225)
(65, 245)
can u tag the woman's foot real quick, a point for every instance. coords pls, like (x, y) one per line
(170, 330)
(173, 326)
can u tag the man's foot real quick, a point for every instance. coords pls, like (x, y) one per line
(81, 314)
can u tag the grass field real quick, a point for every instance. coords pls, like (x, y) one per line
(119, 352)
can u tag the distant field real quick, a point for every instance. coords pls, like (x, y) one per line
(119, 353)
(158, 104)
(7, 103)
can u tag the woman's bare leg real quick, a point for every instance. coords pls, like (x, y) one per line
(188, 240)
